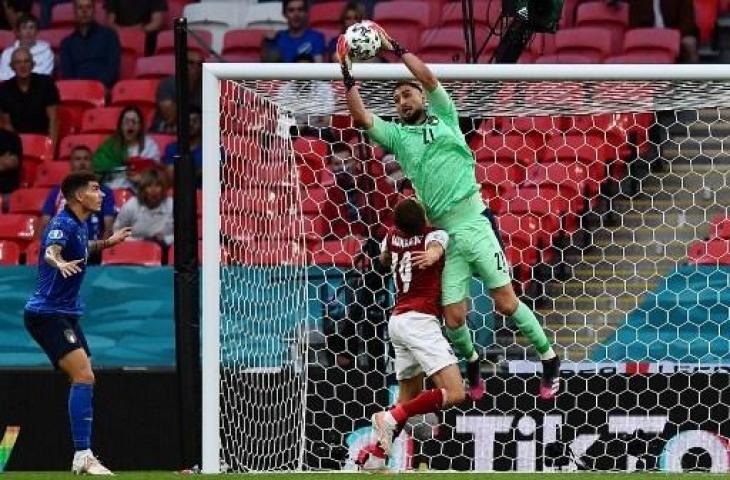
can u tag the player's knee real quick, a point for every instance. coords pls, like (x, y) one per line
(505, 300)
(455, 314)
(83, 375)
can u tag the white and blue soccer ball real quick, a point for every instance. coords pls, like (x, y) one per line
(363, 40)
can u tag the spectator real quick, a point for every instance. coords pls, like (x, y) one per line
(297, 40)
(196, 146)
(11, 11)
(147, 16)
(150, 213)
(11, 157)
(91, 52)
(677, 14)
(29, 100)
(346, 169)
(165, 120)
(112, 158)
(354, 12)
(98, 224)
(26, 33)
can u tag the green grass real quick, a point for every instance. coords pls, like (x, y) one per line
(372, 476)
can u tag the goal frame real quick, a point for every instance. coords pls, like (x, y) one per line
(213, 73)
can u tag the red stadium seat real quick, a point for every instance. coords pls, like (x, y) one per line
(614, 18)
(174, 10)
(91, 140)
(36, 148)
(166, 42)
(340, 253)
(245, 42)
(133, 252)
(28, 200)
(311, 155)
(139, 92)
(485, 13)
(569, 179)
(132, 40)
(162, 140)
(54, 36)
(50, 174)
(76, 97)
(9, 253)
(18, 227)
(405, 20)
(101, 120)
(155, 67)
(443, 45)
(706, 13)
(545, 203)
(32, 251)
(62, 16)
(713, 252)
(641, 58)
(507, 148)
(326, 15)
(719, 227)
(568, 58)
(7, 37)
(651, 41)
(500, 175)
(589, 41)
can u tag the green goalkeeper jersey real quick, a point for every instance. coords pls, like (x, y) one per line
(433, 155)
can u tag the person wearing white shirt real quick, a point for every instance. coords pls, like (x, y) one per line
(26, 33)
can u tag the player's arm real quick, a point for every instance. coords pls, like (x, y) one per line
(53, 258)
(436, 243)
(117, 237)
(385, 257)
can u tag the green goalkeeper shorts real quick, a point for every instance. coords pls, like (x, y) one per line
(473, 249)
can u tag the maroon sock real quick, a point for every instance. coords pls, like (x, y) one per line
(426, 402)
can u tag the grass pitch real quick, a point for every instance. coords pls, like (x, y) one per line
(378, 476)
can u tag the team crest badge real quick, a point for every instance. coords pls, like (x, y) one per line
(70, 335)
(55, 234)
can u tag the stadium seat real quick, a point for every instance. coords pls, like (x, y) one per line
(404, 20)
(641, 58)
(507, 148)
(589, 41)
(651, 41)
(567, 58)
(62, 16)
(166, 42)
(546, 204)
(133, 252)
(7, 37)
(311, 155)
(155, 67)
(36, 148)
(246, 42)
(28, 200)
(443, 45)
(50, 174)
(719, 227)
(32, 251)
(101, 120)
(485, 14)
(266, 15)
(132, 41)
(569, 179)
(91, 140)
(84, 93)
(706, 13)
(138, 92)
(500, 175)
(9, 253)
(614, 18)
(713, 252)
(174, 10)
(339, 253)
(18, 227)
(590, 150)
(54, 36)
(326, 15)
(162, 140)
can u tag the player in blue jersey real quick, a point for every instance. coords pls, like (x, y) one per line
(53, 311)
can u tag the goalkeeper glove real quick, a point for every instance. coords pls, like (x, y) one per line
(388, 42)
(343, 53)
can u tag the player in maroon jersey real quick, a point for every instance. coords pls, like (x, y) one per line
(415, 253)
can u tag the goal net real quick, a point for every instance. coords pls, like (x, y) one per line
(612, 200)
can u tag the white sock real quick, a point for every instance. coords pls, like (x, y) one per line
(390, 420)
(82, 453)
(549, 354)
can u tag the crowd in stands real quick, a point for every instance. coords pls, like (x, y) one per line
(90, 83)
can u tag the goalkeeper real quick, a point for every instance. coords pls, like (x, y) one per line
(431, 150)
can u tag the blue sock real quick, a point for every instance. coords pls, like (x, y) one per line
(81, 413)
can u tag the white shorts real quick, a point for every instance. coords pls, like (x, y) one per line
(419, 345)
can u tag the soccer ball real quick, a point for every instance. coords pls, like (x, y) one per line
(364, 41)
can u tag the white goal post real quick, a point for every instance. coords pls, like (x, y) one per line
(673, 85)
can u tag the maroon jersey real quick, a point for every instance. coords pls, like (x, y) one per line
(418, 290)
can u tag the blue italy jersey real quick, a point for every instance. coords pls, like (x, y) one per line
(95, 223)
(53, 293)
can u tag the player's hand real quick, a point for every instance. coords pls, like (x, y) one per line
(425, 259)
(385, 39)
(343, 54)
(68, 269)
(119, 236)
